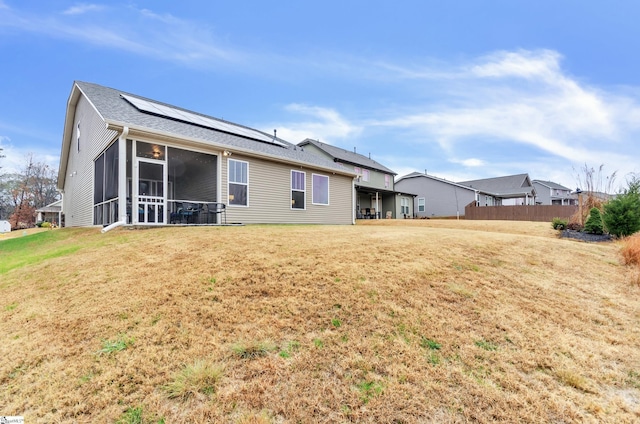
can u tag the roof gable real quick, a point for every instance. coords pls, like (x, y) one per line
(510, 185)
(117, 112)
(346, 156)
(551, 184)
(431, 177)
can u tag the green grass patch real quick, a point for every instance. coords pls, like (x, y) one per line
(36, 248)
(110, 346)
(486, 345)
(428, 343)
(369, 390)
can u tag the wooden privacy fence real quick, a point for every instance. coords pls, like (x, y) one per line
(540, 213)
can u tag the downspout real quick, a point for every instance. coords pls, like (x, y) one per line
(122, 181)
(114, 225)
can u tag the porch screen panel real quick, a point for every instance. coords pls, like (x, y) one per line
(192, 176)
(98, 180)
(111, 172)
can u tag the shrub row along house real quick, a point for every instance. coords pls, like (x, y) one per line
(126, 159)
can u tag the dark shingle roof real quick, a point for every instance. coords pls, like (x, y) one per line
(510, 185)
(551, 184)
(421, 175)
(116, 110)
(347, 156)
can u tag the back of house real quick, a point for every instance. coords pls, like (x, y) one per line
(136, 161)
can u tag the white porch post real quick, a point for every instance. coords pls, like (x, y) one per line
(122, 174)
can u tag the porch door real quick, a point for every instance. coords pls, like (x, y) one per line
(150, 192)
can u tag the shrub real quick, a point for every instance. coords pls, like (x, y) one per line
(45, 224)
(559, 223)
(631, 250)
(594, 223)
(622, 215)
(574, 225)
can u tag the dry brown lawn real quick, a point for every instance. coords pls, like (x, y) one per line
(381, 322)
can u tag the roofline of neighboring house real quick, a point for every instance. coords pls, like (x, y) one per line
(560, 186)
(386, 171)
(475, 190)
(318, 144)
(196, 142)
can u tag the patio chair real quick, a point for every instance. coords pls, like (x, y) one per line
(367, 213)
(219, 209)
(191, 212)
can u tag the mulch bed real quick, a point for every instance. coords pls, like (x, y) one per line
(579, 235)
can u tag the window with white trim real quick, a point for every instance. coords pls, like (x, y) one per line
(78, 136)
(365, 175)
(404, 206)
(387, 180)
(298, 184)
(238, 179)
(320, 189)
(421, 204)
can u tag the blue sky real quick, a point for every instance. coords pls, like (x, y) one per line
(463, 89)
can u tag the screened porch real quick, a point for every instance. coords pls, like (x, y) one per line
(165, 186)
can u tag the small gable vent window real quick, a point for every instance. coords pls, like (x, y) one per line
(78, 136)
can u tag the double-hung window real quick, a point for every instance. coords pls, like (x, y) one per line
(238, 175)
(365, 175)
(421, 204)
(320, 189)
(404, 206)
(298, 183)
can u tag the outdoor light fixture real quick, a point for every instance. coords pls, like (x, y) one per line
(226, 153)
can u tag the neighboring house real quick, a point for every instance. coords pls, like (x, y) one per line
(504, 191)
(436, 197)
(132, 160)
(550, 193)
(375, 193)
(50, 213)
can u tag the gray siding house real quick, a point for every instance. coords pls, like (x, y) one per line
(436, 197)
(550, 193)
(376, 196)
(129, 160)
(504, 191)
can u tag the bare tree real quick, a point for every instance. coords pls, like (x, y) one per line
(593, 181)
(28, 190)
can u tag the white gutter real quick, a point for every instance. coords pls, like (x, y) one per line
(114, 125)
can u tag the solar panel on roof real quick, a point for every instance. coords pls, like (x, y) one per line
(192, 118)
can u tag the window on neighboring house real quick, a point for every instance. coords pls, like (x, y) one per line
(357, 170)
(365, 175)
(238, 177)
(421, 204)
(387, 181)
(404, 206)
(320, 189)
(298, 184)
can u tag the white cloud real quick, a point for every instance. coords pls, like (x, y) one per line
(142, 32)
(82, 8)
(325, 125)
(15, 157)
(470, 163)
(521, 98)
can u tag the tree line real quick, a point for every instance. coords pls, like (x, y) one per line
(22, 192)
